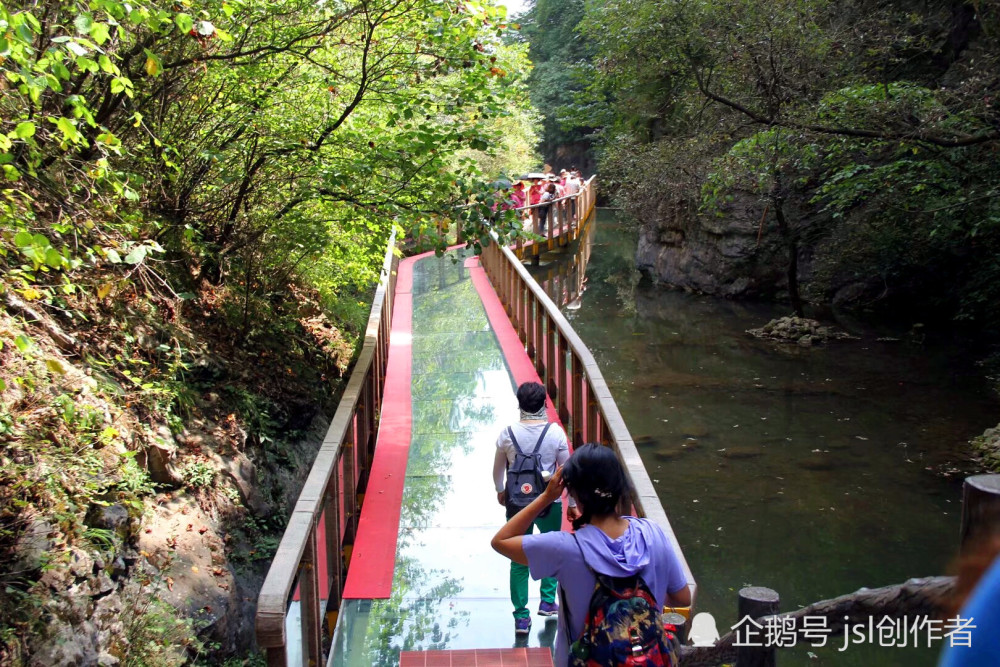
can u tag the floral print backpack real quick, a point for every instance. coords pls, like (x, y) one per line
(624, 626)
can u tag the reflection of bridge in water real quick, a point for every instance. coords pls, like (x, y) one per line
(565, 280)
(390, 544)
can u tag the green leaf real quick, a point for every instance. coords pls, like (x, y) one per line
(184, 22)
(55, 366)
(137, 255)
(22, 239)
(83, 23)
(53, 258)
(23, 344)
(76, 49)
(24, 130)
(100, 32)
(113, 256)
(68, 128)
(107, 66)
(87, 65)
(32, 22)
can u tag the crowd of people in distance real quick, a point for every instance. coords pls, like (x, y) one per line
(540, 189)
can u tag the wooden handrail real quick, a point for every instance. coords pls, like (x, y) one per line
(566, 216)
(348, 447)
(572, 378)
(583, 186)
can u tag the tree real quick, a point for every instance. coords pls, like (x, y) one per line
(763, 164)
(243, 137)
(559, 54)
(879, 119)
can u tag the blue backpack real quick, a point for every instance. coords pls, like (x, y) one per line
(624, 626)
(524, 475)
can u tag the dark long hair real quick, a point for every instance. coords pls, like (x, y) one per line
(596, 478)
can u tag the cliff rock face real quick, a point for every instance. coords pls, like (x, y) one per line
(731, 254)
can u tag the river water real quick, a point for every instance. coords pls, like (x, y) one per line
(814, 472)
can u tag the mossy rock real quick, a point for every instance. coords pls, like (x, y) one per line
(987, 447)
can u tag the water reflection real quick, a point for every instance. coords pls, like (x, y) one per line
(564, 273)
(810, 471)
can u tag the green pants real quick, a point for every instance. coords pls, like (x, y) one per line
(519, 573)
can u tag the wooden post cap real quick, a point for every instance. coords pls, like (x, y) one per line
(980, 509)
(756, 602)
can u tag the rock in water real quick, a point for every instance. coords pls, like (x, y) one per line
(800, 330)
(742, 453)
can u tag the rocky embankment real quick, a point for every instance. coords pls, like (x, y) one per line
(146, 467)
(723, 256)
(740, 252)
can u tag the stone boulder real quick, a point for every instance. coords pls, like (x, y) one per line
(803, 331)
(182, 542)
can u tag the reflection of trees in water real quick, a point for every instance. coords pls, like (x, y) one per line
(437, 273)
(410, 619)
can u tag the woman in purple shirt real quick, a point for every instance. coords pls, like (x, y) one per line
(614, 545)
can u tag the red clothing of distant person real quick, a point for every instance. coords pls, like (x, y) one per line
(517, 195)
(535, 193)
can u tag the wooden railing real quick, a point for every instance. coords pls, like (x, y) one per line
(332, 494)
(572, 378)
(565, 220)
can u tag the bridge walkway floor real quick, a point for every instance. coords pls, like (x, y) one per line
(449, 589)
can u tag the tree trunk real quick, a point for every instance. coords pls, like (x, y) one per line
(792, 244)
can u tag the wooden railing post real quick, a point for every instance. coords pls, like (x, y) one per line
(312, 638)
(334, 554)
(756, 602)
(980, 510)
(591, 434)
(563, 383)
(578, 384)
(525, 313)
(349, 489)
(550, 359)
(538, 321)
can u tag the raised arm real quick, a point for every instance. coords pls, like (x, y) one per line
(508, 539)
